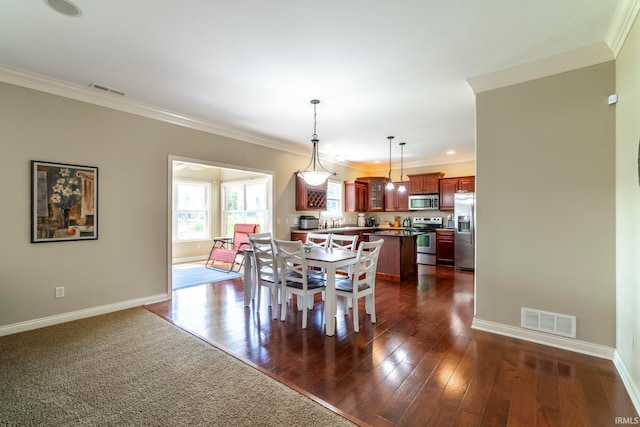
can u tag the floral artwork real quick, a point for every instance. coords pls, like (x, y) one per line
(64, 202)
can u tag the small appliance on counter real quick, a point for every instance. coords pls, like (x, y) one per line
(308, 222)
(451, 223)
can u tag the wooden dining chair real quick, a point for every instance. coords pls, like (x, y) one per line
(266, 270)
(363, 281)
(295, 277)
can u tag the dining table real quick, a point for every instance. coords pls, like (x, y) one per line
(329, 259)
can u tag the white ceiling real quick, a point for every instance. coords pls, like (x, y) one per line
(379, 67)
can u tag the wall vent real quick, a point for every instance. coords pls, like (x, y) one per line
(553, 323)
(107, 89)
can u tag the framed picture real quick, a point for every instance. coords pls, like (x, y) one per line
(64, 202)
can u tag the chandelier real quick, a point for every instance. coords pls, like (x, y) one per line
(315, 177)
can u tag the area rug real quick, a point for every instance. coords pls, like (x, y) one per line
(186, 275)
(133, 368)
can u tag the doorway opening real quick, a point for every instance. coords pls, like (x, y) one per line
(205, 200)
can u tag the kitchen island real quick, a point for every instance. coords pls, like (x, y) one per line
(398, 253)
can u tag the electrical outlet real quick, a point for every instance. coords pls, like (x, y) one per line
(278, 221)
(59, 292)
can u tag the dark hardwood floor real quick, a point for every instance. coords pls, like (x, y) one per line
(420, 364)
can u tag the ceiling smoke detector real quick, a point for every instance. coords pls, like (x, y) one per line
(64, 7)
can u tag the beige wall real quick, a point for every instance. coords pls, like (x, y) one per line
(545, 201)
(628, 206)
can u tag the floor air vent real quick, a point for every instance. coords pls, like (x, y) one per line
(553, 323)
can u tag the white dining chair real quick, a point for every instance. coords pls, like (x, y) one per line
(266, 270)
(318, 239)
(295, 278)
(363, 281)
(340, 241)
(322, 240)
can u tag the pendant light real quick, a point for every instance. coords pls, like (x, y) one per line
(390, 183)
(401, 188)
(315, 177)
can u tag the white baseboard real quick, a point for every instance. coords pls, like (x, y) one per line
(188, 259)
(79, 314)
(545, 339)
(627, 379)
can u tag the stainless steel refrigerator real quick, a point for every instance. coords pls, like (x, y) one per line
(465, 228)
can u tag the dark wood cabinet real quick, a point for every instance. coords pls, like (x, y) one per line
(375, 192)
(450, 186)
(425, 183)
(298, 236)
(445, 247)
(310, 198)
(395, 201)
(467, 183)
(397, 259)
(355, 196)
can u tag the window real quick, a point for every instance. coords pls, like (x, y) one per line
(246, 202)
(334, 199)
(191, 207)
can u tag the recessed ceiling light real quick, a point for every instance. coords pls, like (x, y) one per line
(450, 152)
(64, 7)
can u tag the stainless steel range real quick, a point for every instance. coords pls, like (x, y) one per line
(427, 241)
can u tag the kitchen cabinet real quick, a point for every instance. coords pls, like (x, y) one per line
(427, 183)
(355, 196)
(395, 201)
(445, 247)
(397, 259)
(298, 236)
(375, 193)
(450, 186)
(310, 198)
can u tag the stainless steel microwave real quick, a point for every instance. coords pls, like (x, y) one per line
(424, 202)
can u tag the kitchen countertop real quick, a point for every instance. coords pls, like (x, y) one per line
(347, 228)
(395, 233)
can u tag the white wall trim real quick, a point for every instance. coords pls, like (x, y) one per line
(573, 60)
(621, 24)
(570, 344)
(189, 259)
(627, 379)
(80, 314)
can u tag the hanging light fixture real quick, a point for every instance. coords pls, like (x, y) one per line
(401, 188)
(390, 183)
(312, 176)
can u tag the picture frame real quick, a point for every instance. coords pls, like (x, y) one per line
(64, 202)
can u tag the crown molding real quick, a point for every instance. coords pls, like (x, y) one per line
(64, 89)
(621, 24)
(572, 60)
